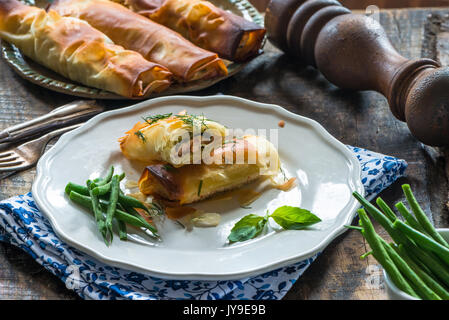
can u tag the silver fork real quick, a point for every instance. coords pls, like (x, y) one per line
(26, 155)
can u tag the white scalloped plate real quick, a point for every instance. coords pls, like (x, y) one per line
(327, 174)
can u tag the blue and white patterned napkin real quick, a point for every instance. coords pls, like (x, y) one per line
(22, 225)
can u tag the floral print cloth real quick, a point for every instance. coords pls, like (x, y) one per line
(22, 225)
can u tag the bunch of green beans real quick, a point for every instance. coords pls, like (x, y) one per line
(417, 261)
(103, 197)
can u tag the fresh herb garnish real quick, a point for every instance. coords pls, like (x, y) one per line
(283, 173)
(168, 167)
(189, 119)
(289, 218)
(140, 135)
(194, 120)
(199, 187)
(293, 218)
(156, 209)
(247, 228)
(153, 119)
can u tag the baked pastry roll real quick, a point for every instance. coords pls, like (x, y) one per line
(191, 183)
(154, 41)
(231, 36)
(76, 50)
(167, 138)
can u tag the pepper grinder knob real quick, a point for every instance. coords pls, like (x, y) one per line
(354, 52)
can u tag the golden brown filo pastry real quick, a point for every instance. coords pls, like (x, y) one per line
(231, 36)
(76, 50)
(154, 41)
(225, 162)
(154, 140)
(195, 182)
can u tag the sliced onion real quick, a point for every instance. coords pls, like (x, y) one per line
(207, 220)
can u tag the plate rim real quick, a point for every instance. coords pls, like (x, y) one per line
(14, 57)
(43, 165)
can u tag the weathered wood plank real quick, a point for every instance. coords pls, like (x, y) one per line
(383, 4)
(356, 118)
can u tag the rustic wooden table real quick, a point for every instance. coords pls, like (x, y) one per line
(356, 118)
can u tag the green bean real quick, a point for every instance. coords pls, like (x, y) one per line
(354, 228)
(429, 280)
(135, 221)
(136, 214)
(386, 209)
(112, 203)
(382, 255)
(409, 217)
(132, 202)
(400, 238)
(122, 199)
(77, 188)
(427, 261)
(105, 188)
(81, 199)
(123, 234)
(102, 189)
(132, 211)
(365, 255)
(107, 178)
(86, 202)
(104, 195)
(433, 262)
(424, 241)
(98, 214)
(381, 219)
(421, 288)
(120, 207)
(421, 216)
(420, 262)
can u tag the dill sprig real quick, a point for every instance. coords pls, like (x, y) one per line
(193, 120)
(156, 209)
(229, 141)
(283, 173)
(140, 135)
(188, 119)
(200, 186)
(168, 167)
(153, 119)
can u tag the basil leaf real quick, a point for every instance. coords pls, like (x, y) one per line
(293, 218)
(247, 228)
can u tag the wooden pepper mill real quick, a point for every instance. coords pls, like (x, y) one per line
(353, 52)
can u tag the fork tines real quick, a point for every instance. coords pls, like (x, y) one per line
(10, 160)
